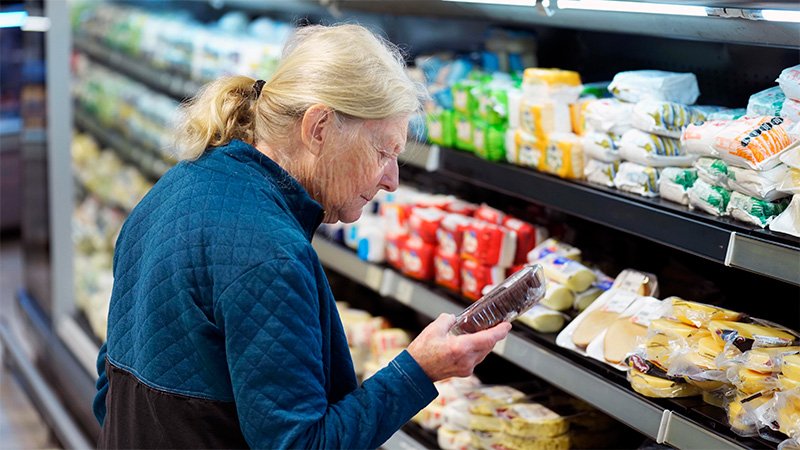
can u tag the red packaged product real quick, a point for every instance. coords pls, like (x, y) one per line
(451, 232)
(424, 222)
(489, 244)
(394, 247)
(489, 214)
(475, 277)
(528, 237)
(435, 201)
(396, 215)
(448, 270)
(417, 258)
(461, 207)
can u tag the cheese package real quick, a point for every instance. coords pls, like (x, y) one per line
(789, 220)
(789, 82)
(601, 146)
(485, 439)
(741, 411)
(750, 382)
(543, 319)
(541, 117)
(638, 85)
(711, 199)
(698, 314)
(484, 400)
(441, 129)
(586, 298)
(561, 85)
(674, 184)
(769, 360)
(489, 244)
(595, 319)
(568, 272)
(698, 138)
(475, 277)
(453, 438)
(608, 115)
(602, 173)
(430, 417)
(789, 444)
(754, 211)
(628, 329)
(558, 297)
(463, 128)
(577, 113)
(745, 336)
(656, 387)
(791, 111)
(360, 333)
(790, 183)
(753, 142)
(531, 420)
(489, 214)
(529, 149)
(447, 270)
(453, 388)
(787, 413)
(417, 259)
(766, 103)
(458, 415)
(450, 234)
(653, 150)
(637, 179)
(697, 364)
(512, 148)
(563, 156)
(424, 222)
(790, 365)
(664, 118)
(555, 247)
(640, 283)
(511, 442)
(528, 237)
(389, 339)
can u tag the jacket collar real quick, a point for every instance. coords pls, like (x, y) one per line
(306, 210)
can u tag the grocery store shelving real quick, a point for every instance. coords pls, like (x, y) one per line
(402, 441)
(176, 86)
(647, 416)
(421, 156)
(719, 239)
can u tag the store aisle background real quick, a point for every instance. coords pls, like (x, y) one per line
(21, 426)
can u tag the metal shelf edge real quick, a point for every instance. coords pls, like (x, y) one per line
(402, 441)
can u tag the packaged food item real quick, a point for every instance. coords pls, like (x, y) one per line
(450, 233)
(637, 179)
(741, 412)
(712, 170)
(514, 100)
(528, 237)
(762, 184)
(512, 297)
(458, 415)
(727, 114)
(791, 110)
(424, 222)
(576, 113)
(601, 146)
(602, 173)
(453, 438)
(752, 210)
(608, 115)
(791, 157)
(698, 138)
(653, 150)
(640, 283)
(447, 268)
(485, 439)
(638, 85)
(698, 314)
(388, 339)
(531, 420)
(750, 382)
(674, 184)
(489, 140)
(664, 118)
(790, 183)
(529, 148)
(453, 388)
(394, 249)
(489, 214)
(790, 444)
(697, 363)
(463, 128)
(475, 277)
(563, 156)
(485, 400)
(586, 298)
(540, 117)
(789, 220)
(556, 247)
(656, 387)
(595, 319)
(543, 319)
(489, 244)
(417, 259)
(430, 417)
(563, 86)
(753, 142)
(711, 199)
(568, 272)
(789, 82)
(745, 336)
(790, 365)
(624, 333)
(787, 412)
(511, 442)
(768, 360)
(766, 103)
(465, 99)
(441, 128)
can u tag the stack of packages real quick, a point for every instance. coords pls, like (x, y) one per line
(541, 135)
(373, 344)
(571, 286)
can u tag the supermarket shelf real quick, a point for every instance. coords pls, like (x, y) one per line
(175, 86)
(402, 441)
(718, 239)
(646, 416)
(421, 156)
(151, 165)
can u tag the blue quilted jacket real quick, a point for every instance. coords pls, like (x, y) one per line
(222, 330)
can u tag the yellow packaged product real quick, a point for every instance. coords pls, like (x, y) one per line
(788, 416)
(564, 156)
(457, 414)
(453, 388)
(484, 400)
(741, 415)
(593, 321)
(529, 149)
(510, 442)
(656, 387)
(658, 350)
(568, 272)
(675, 329)
(543, 319)
(750, 382)
(538, 117)
(624, 333)
(430, 417)
(748, 335)
(699, 314)
(531, 420)
(787, 384)
(452, 438)
(564, 85)
(790, 366)
(484, 439)
(767, 360)
(558, 297)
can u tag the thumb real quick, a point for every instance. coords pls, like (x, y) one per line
(444, 322)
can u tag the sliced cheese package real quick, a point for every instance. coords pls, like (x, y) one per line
(638, 85)
(787, 413)
(453, 438)
(637, 179)
(599, 172)
(665, 118)
(640, 283)
(765, 360)
(608, 115)
(790, 365)
(698, 315)
(594, 320)
(789, 82)
(625, 332)
(543, 319)
(558, 297)
(711, 199)
(453, 388)
(766, 103)
(656, 387)
(753, 142)
(601, 146)
(674, 184)
(788, 221)
(458, 415)
(789, 444)
(746, 336)
(484, 400)
(568, 272)
(563, 156)
(741, 411)
(653, 150)
(753, 210)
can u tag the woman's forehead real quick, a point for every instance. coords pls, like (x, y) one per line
(388, 132)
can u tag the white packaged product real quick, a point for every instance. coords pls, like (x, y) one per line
(790, 184)
(568, 272)
(637, 179)
(653, 150)
(711, 199)
(753, 142)
(791, 157)
(789, 82)
(601, 146)
(752, 210)
(698, 138)
(727, 114)
(514, 99)
(543, 319)
(599, 172)
(766, 103)
(638, 85)
(791, 110)
(764, 185)
(712, 170)
(674, 184)
(664, 118)
(789, 220)
(608, 115)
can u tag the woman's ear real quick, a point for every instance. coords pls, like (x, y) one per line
(317, 122)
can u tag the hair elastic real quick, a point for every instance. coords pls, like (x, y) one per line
(258, 86)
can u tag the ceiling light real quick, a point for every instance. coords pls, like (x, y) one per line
(633, 7)
(12, 19)
(780, 15)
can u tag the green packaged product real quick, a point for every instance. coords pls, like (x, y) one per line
(465, 97)
(752, 210)
(493, 104)
(441, 129)
(489, 140)
(463, 132)
(712, 171)
(711, 199)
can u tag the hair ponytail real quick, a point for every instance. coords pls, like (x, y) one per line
(221, 111)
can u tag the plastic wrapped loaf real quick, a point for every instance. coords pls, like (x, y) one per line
(753, 210)
(637, 179)
(674, 184)
(653, 150)
(517, 294)
(789, 82)
(665, 118)
(638, 85)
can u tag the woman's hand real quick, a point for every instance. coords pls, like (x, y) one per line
(442, 355)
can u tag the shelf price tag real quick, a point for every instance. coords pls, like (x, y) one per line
(373, 278)
(405, 289)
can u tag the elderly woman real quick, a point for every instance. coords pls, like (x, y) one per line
(222, 330)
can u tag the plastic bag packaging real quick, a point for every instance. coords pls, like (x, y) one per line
(608, 115)
(791, 157)
(558, 297)
(664, 118)
(674, 183)
(554, 246)
(543, 319)
(727, 114)
(594, 320)
(712, 171)
(637, 179)
(531, 420)
(790, 184)
(790, 365)
(528, 148)
(698, 314)
(512, 297)
(746, 336)
(564, 156)
(711, 199)
(640, 283)
(453, 438)
(790, 444)
(698, 138)
(485, 399)
(764, 185)
(542, 117)
(653, 150)
(430, 417)
(789, 220)
(599, 172)
(568, 272)
(791, 110)
(753, 210)
(696, 363)
(789, 82)
(638, 85)
(753, 142)
(766, 103)
(742, 412)
(511, 442)
(657, 387)
(601, 146)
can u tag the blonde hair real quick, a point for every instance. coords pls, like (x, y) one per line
(345, 67)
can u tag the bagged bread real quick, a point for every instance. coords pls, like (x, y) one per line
(664, 118)
(711, 199)
(789, 82)
(638, 85)
(599, 172)
(766, 103)
(653, 150)
(753, 210)
(674, 184)
(637, 179)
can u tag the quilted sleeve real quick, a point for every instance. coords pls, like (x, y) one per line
(270, 316)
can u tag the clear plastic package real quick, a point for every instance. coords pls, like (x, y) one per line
(517, 294)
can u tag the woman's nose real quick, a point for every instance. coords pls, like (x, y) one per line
(391, 177)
